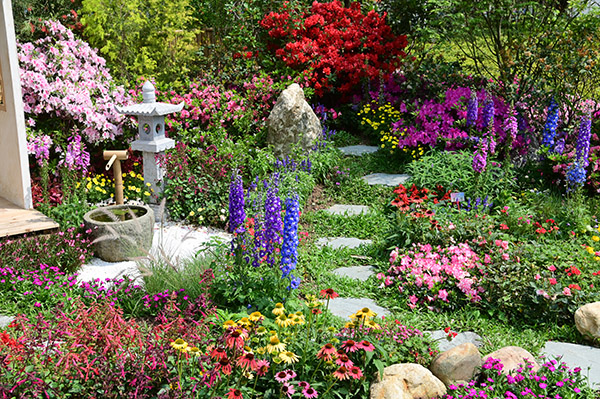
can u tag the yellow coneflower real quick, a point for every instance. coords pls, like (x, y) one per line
(229, 323)
(275, 345)
(279, 309)
(365, 313)
(244, 322)
(194, 351)
(179, 344)
(284, 321)
(255, 317)
(350, 325)
(299, 318)
(372, 324)
(261, 331)
(289, 357)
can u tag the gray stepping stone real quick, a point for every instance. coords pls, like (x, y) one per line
(349, 210)
(577, 356)
(385, 179)
(361, 273)
(344, 307)
(358, 150)
(5, 321)
(342, 242)
(462, 338)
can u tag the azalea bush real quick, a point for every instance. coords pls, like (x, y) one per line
(66, 85)
(552, 380)
(313, 41)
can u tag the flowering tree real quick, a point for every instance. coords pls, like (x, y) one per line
(66, 85)
(338, 46)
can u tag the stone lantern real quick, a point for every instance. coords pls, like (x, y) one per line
(152, 140)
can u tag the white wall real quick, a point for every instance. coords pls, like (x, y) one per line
(15, 185)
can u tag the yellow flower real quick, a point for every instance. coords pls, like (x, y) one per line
(279, 309)
(255, 316)
(244, 322)
(146, 193)
(289, 357)
(597, 258)
(372, 324)
(275, 345)
(596, 238)
(261, 331)
(229, 323)
(590, 250)
(179, 344)
(284, 321)
(364, 313)
(192, 213)
(194, 351)
(132, 173)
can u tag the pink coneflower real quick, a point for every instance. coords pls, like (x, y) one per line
(248, 360)
(262, 367)
(329, 293)
(341, 373)
(288, 389)
(218, 354)
(225, 366)
(303, 384)
(310, 393)
(344, 360)
(326, 352)
(366, 346)
(236, 338)
(350, 346)
(282, 376)
(355, 372)
(234, 394)
(291, 373)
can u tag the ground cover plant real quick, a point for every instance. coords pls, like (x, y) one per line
(496, 231)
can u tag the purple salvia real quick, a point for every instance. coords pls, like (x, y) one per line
(472, 108)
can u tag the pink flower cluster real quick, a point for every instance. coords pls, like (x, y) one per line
(63, 77)
(433, 276)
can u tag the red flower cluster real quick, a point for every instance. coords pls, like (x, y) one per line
(547, 227)
(415, 196)
(334, 43)
(572, 271)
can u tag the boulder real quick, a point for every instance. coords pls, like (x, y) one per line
(587, 320)
(513, 357)
(407, 381)
(292, 121)
(457, 365)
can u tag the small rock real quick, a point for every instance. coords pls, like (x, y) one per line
(341, 242)
(513, 357)
(348, 210)
(358, 150)
(344, 307)
(292, 121)
(407, 381)
(385, 179)
(587, 320)
(457, 365)
(361, 273)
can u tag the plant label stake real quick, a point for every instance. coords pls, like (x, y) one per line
(114, 158)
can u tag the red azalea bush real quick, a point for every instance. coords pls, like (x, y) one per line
(339, 46)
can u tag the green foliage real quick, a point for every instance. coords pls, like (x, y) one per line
(142, 37)
(30, 14)
(69, 214)
(365, 226)
(454, 171)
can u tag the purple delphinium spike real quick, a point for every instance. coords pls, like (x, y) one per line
(237, 214)
(551, 125)
(289, 248)
(583, 141)
(488, 114)
(273, 225)
(472, 108)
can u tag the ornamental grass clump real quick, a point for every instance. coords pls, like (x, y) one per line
(434, 278)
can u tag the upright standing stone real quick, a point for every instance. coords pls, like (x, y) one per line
(292, 121)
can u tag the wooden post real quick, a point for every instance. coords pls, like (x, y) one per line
(114, 158)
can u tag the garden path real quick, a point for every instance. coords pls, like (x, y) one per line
(574, 355)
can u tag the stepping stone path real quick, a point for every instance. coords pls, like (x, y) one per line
(348, 210)
(341, 242)
(386, 179)
(361, 273)
(461, 338)
(5, 321)
(344, 307)
(577, 356)
(358, 150)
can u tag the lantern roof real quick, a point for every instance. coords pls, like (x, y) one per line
(149, 106)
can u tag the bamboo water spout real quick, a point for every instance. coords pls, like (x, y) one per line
(114, 158)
